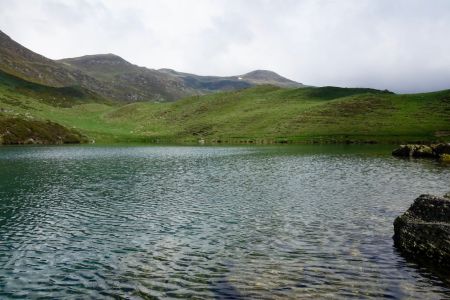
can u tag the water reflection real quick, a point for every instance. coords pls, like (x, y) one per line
(209, 222)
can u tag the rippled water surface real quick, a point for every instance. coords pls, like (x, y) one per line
(209, 222)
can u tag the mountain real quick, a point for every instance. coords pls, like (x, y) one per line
(129, 82)
(112, 77)
(139, 83)
(24, 63)
(216, 83)
(260, 77)
(207, 84)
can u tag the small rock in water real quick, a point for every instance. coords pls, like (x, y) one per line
(423, 231)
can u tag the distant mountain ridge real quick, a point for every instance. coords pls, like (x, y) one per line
(127, 81)
(214, 83)
(112, 77)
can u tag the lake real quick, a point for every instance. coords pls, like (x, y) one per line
(147, 222)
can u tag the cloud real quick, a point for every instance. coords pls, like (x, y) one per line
(400, 45)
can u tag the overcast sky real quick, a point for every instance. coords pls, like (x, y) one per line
(401, 45)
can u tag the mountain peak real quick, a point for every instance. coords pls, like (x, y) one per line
(168, 71)
(269, 77)
(261, 74)
(96, 60)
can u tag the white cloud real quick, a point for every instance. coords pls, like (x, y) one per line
(401, 45)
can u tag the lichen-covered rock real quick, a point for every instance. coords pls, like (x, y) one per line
(423, 151)
(423, 231)
(417, 150)
(445, 158)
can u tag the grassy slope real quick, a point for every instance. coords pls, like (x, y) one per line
(266, 114)
(19, 105)
(261, 114)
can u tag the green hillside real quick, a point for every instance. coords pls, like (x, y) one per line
(263, 114)
(270, 114)
(58, 96)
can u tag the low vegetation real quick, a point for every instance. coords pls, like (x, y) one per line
(263, 114)
(15, 131)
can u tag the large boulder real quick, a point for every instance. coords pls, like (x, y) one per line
(423, 231)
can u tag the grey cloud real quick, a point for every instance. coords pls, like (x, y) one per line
(401, 45)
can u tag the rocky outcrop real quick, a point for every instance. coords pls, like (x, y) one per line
(439, 151)
(423, 231)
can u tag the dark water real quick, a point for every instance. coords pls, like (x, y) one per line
(198, 222)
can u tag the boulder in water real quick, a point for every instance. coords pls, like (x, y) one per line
(423, 231)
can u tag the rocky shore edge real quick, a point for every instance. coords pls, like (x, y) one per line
(438, 151)
(422, 233)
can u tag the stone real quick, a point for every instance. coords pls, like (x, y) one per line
(445, 158)
(422, 151)
(438, 151)
(423, 231)
(403, 150)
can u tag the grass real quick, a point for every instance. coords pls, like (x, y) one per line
(57, 96)
(264, 114)
(23, 131)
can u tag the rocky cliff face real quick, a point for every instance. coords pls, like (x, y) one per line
(423, 231)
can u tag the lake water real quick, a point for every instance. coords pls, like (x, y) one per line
(210, 222)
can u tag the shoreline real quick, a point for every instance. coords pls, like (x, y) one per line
(230, 142)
